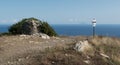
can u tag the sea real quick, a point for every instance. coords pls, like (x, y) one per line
(112, 30)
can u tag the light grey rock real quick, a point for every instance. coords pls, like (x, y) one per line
(104, 55)
(44, 36)
(82, 46)
(31, 27)
(22, 35)
(87, 61)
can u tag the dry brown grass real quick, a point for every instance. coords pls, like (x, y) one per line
(14, 47)
(16, 50)
(109, 46)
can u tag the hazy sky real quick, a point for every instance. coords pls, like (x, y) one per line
(61, 11)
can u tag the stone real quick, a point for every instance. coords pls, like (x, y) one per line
(53, 62)
(66, 54)
(44, 36)
(22, 35)
(82, 46)
(31, 26)
(104, 55)
(87, 61)
(20, 59)
(8, 62)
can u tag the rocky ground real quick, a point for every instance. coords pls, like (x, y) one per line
(64, 50)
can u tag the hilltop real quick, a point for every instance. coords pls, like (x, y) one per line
(63, 50)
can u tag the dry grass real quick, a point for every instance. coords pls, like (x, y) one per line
(16, 50)
(109, 46)
(14, 47)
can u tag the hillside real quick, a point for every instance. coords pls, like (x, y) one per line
(33, 50)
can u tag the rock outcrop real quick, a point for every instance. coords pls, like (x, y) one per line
(31, 27)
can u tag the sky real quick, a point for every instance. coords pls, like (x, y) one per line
(61, 11)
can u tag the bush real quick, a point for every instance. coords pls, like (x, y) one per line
(47, 29)
(16, 28)
(44, 28)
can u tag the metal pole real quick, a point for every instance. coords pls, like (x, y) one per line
(94, 25)
(93, 31)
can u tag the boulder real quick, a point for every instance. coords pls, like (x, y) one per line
(31, 26)
(84, 47)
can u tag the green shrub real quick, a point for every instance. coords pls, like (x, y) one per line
(16, 28)
(47, 29)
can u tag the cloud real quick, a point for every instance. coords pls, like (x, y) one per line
(12, 21)
(3, 22)
(15, 20)
(78, 21)
(73, 20)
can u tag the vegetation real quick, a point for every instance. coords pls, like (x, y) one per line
(109, 46)
(45, 28)
(36, 51)
(17, 27)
